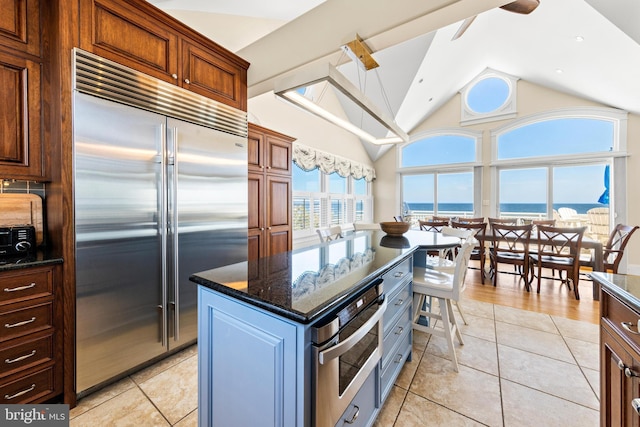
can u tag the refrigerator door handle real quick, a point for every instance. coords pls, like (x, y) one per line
(173, 152)
(163, 233)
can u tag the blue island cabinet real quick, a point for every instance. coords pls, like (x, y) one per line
(250, 366)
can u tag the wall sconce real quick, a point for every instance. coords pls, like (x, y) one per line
(293, 88)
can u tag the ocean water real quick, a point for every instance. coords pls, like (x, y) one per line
(581, 208)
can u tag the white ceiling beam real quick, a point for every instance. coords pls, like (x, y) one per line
(318, 34)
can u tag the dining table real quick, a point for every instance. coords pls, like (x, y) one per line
(593, 245)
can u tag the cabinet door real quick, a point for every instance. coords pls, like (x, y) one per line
(278, 153)
(256, 149)
(278, 193)
(117, 31)
(616, 389)
(20, 25)
(278, 240)
(256, 216)
(246, 359)
(21, 153)
(208, 74)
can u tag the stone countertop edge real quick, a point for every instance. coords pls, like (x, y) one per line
(625, 287)
(40, 261)
(292, 314)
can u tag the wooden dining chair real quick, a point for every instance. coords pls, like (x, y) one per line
(510, 245)
(441, 218)
(433, 225)
(328, 234)
(480, 233)
(613, 250)
(469, 220)
(558, 249)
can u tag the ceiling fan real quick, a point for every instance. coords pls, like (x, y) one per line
(523, 7)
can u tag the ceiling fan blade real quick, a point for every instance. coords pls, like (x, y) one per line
(521, 6)
(463, 27)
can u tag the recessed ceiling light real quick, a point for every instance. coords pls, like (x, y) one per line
(430, 99)
(559, 70)
(420, 81)
(579, 38)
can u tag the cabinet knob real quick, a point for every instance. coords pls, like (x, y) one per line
(261, 228)
(175, 76)
(187, 81)
(268, 167)
(629, 373)
(268, 228)
(261, 167)
(635, 403)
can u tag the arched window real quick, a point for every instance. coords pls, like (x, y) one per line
(440, 174)
(561, 159)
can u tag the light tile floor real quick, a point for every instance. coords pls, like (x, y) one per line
(517, 368)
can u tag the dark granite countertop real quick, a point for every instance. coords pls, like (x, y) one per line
(625, 287)
(36, 259)
(305, 284)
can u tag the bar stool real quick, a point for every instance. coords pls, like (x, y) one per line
(446, 288)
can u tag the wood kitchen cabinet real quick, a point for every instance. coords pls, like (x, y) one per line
(31, 335)
(140, 36)
(269, 181)
(21, 138)
(619, 363)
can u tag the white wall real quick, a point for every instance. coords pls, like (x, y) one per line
(531, 99)
(274, 113)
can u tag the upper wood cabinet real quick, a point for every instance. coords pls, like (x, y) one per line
(269, 151)
(21, 150)
(140, 36)
(20, 25)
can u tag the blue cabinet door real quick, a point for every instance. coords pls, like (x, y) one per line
(247, 365)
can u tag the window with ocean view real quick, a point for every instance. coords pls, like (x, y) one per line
(444, 194)
(437, 172)
(321, 199)
(552, 163)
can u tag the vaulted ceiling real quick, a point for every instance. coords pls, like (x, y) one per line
(588, 48)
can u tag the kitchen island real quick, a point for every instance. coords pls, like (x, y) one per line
(258, 364)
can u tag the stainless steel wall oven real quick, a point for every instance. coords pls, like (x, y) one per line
(346, 349)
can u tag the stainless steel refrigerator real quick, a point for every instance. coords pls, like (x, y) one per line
(160, 193)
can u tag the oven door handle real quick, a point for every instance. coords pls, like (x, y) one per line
(339, 349)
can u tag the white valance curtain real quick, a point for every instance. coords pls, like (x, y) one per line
(309, 158)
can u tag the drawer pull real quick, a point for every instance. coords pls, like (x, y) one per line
(399, 302)
(399, 330)
(20, 393)
(621, 365)
(355, 416)
(398, 274)
(398, 358)
(629, 373)
(627, 327)
(17, 359)
(20, 288)
(14, 325)
(636, 405)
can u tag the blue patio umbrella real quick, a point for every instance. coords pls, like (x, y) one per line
(604, 197)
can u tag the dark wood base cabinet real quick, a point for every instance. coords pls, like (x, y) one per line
(30, 335)
(619, 363)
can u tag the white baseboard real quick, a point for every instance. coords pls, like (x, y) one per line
(633, 269)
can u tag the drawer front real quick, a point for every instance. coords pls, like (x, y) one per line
(397, 302)
(25, 285)
(622, 319)
(25, 321)
(391, 372)
(28, 388)
(362, 409)
(26, 354)
(396, 275)
(396, 332)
